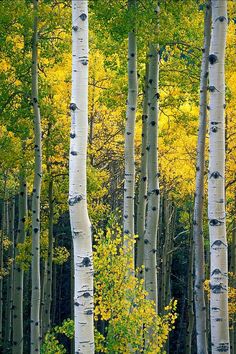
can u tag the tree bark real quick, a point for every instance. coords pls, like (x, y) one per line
(142, 194)
(80, 223)
(199, 258)
(129, 183)
(9, 302)
(48, 286)
(18, 336)
(216, 182)
(150, 236)
(35, 263)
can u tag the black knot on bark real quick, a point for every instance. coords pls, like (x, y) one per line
(73, 153)
(215, 175)
(83, 17)
(132, 55)
(157, 191)
(211, 88)
(208, 108)
(157, 95)
(214, 129)
(215, 222)
(144, 179)
(132, 108)
(128, 133)
(72, 135)
(154, 208)
(216, 271)
(212, 59)
(89, 312)
(125, 216)
(86, 294)
(223, 348)
(153, 123)
(221, 18)
(218, 289)
(75, 28)
(75, 200)
(84, 61)
(146, 241)
(150, 81)
(86, 262)
(73, 106)
(36, 230)
(218, 243)
(76, 303)
(126, 232)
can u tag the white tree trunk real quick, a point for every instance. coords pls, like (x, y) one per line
(216, 182)
(150, 236)
(199, 258)
(35, 263)
(142, 194)
(18, 342)
(80, 224)
(129, 184)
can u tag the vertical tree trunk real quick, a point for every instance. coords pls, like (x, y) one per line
(233, 270)
(9, 302)
(48, 286)
(216, 182)
(35, 264)
(190, 298)
(199, 261)
(18, 342)
(80, 224)
(150, 236)
(129, 184)
(142, 193)
(1, 260)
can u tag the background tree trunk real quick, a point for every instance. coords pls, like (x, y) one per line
(129, 183)
(198, 239)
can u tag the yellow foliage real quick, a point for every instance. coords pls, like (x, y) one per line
(120, 300)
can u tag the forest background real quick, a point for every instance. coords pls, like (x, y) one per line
(180, 39)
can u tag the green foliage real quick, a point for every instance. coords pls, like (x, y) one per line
(51, 343)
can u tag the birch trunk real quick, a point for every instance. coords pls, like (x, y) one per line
(80, 224)
(199, 260)
(190, 299)
(18, 342)
(216, 182)
(9, 302)
(35, 263)
(129, 183)
(142, 194)
(150, 236)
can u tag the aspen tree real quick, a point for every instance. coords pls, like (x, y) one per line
(199, 261)
(18, 337)
(150, 236)
(216, 182)
(129, 183)
(142, 193)
(9, 302)
(35, 264)
(80, 223)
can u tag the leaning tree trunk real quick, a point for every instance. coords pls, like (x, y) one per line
(199, 259)
(129, 184)
(80, 224)
(35, 263)
(142, 193)
(17, 337)
(216, 182)
(150, 236)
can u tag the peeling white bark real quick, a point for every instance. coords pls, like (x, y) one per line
(216, 182)
(80, 224)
